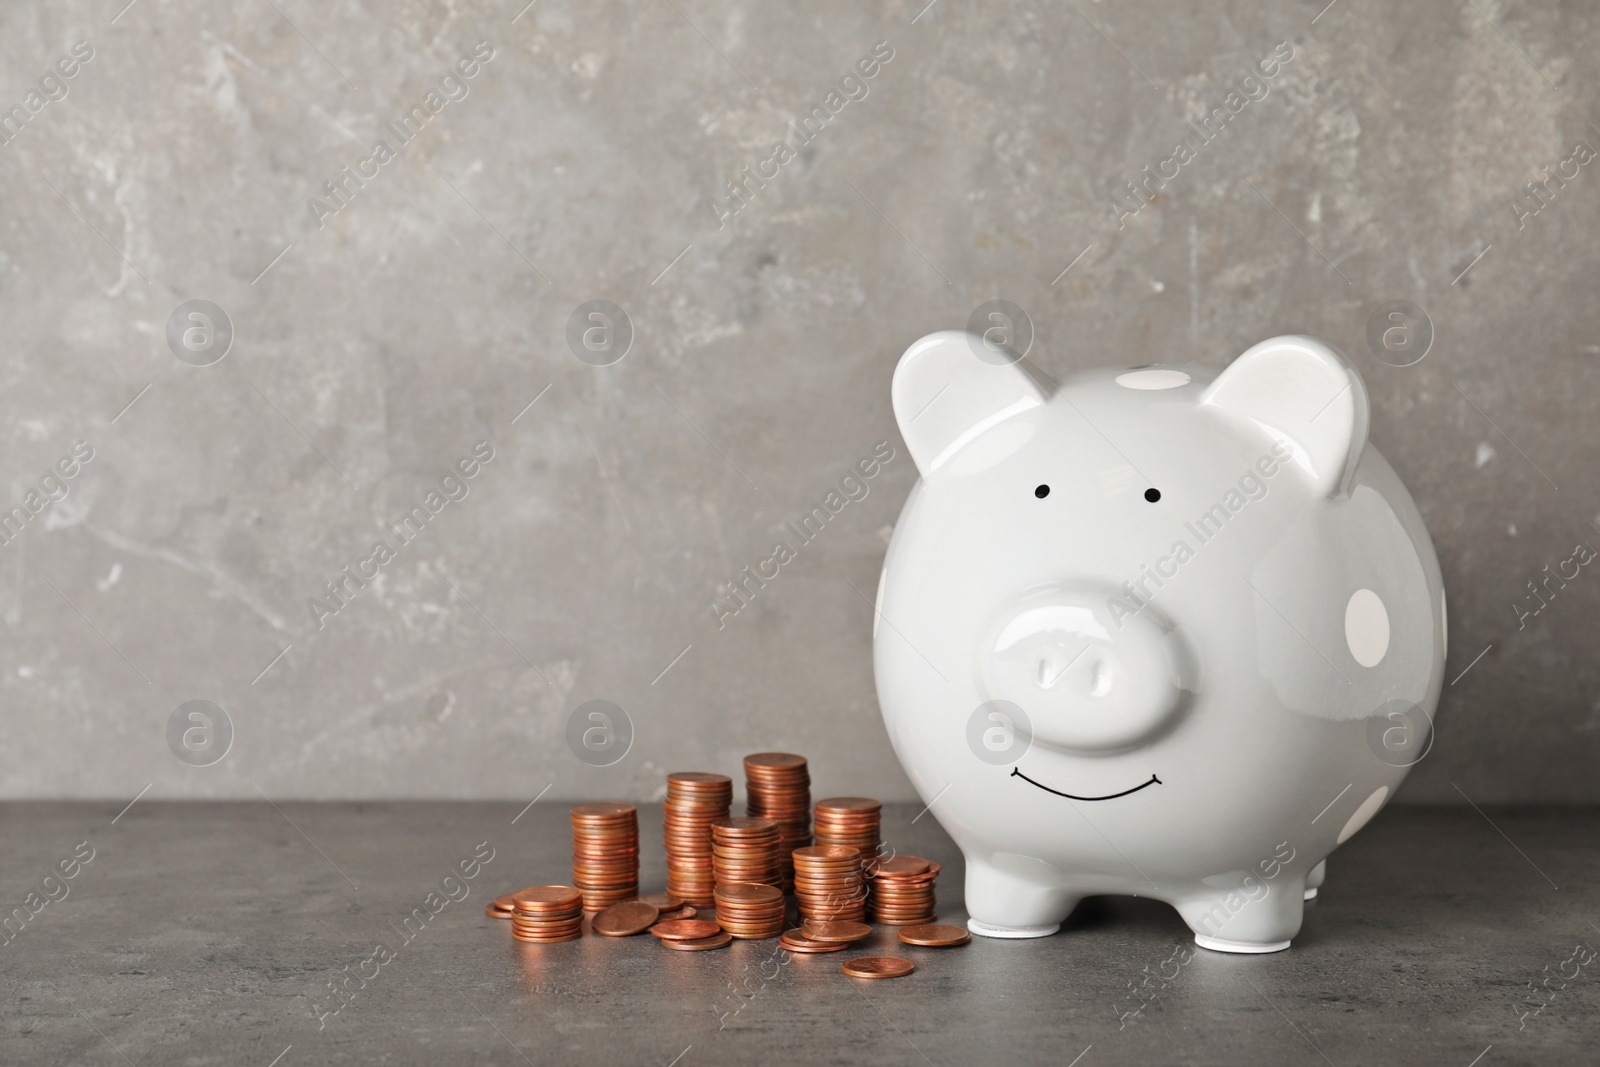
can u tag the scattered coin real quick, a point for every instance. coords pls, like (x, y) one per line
(935, 935)
(629, 917)
(685, 929)
(836, 931)
(497, 913)
(663, 901)
(877, 967)
(700, 944)
(688, 911)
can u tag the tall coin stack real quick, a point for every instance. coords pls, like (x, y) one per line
(745, 850)
(547, 913)
(851, 821)
(902, 890)
(828, 883)
(605, 853)
(695, 800)
(751, 912)
(778, 786)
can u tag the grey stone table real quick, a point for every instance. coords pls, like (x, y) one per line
(203, 934)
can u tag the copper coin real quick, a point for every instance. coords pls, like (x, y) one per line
(702, 779)
(795, 941)
(685, 929)
(547, 897)
(688, 911)
(935, 935)
(903, 865)
(663, 901)
(877, 967)
(836, 931)
(749, 893)
(701, 944)
(773, 761)
(629, 917)
(603, 809)
(827, 854)
(850, 804)
(497, 913)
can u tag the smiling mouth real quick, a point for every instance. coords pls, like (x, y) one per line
(1070, 796)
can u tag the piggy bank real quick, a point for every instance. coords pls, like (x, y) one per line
(1165, 631)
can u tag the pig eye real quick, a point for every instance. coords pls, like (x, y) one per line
(1042, 492)
(1152, 495)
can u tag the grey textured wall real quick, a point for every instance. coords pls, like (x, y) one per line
(378, 340)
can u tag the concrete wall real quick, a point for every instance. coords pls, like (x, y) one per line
(377, 337)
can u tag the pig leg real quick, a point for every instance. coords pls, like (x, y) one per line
(1231, 921)
(1315, 879)
(1002, 904)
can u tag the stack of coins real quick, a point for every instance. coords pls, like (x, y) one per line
(828, 884)
(605, 853)
(750, 912)
(852, 821)
(695, 800)
(902, 891)
(778, 786)
(745, 850)
(547, 913)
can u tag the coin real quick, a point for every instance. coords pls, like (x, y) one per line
(877, 967)
(629, 917)
(663, 901)
(546, 898)
(695, 799)
(935, 935)
(701, 944)
(778, 786)
(605, 853)
(853, 822)
(903, 890)
(836, 931)
(745, 850)
(497, 913)
(795, 941)
(685, 929)
(688, 911)
(828, 883)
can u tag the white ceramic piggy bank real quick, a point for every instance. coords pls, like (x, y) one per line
(1162, 631)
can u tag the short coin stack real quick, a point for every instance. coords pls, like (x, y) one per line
(745, 850)
(547, 913)
(695, 800)
(902, 890)
(750, 912)
(852, 821)
(605, 853)
(828, 884)
(778, 786)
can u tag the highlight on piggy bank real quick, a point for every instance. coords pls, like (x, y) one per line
(1174, 631)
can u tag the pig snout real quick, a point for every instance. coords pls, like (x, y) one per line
(1091, 678)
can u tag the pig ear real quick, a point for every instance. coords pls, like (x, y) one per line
(945, 394)
(1302, 392)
